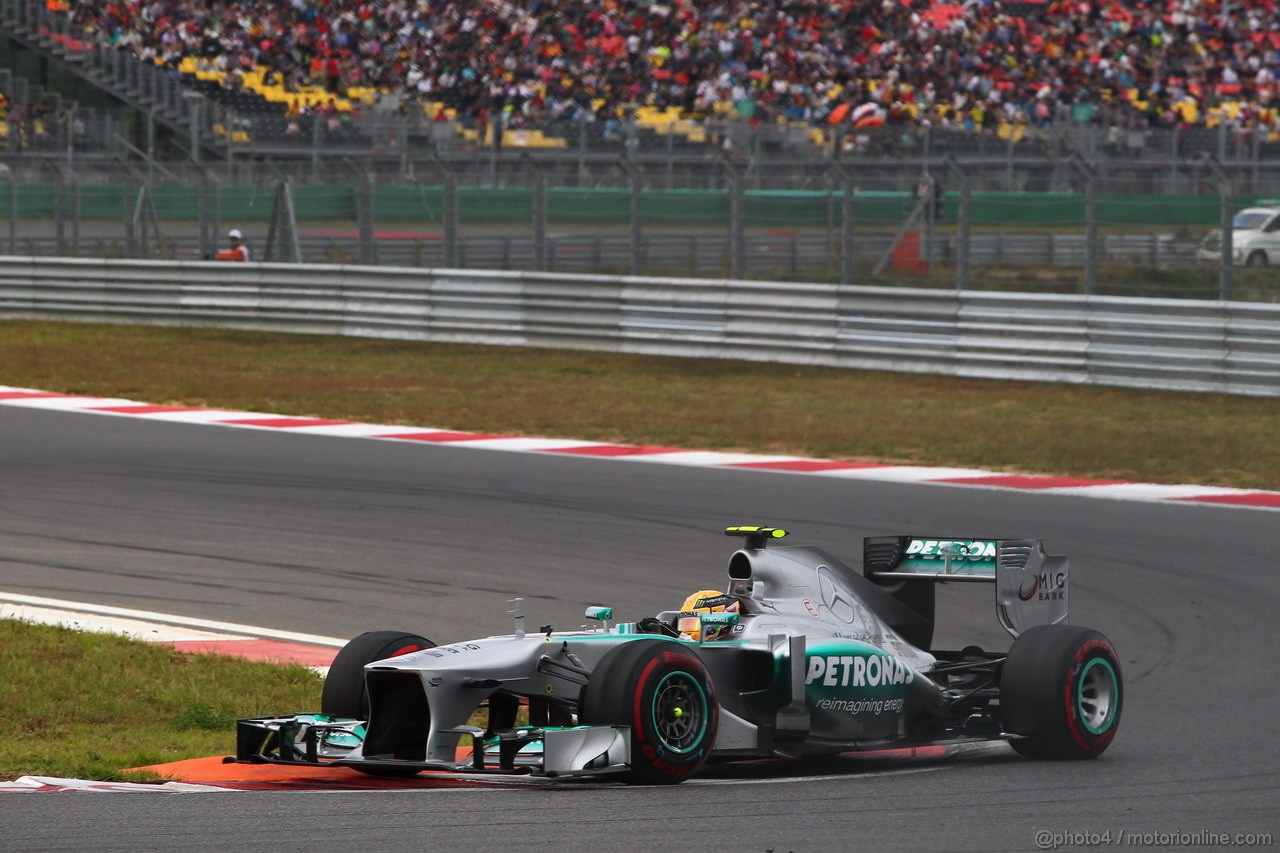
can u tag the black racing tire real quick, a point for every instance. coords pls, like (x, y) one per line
(1061, 689)
(344, 692)
(1257, 259)
(662, 690)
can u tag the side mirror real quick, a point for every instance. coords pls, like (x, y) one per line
(600, 614)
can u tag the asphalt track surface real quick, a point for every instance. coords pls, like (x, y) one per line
(335, 536)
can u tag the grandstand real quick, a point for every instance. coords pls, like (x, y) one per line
(837, 72)
(874, 86)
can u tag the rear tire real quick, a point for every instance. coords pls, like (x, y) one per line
(344, 691)
(662, 690)
(1061, 689)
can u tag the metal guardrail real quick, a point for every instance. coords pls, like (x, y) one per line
(1188, 345)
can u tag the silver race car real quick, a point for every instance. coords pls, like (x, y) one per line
(800, 655)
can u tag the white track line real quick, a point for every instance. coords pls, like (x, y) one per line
(157, 622)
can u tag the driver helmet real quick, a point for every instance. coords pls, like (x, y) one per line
(688, 622)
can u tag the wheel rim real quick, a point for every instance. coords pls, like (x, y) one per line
(1098, 696)
(680, 712)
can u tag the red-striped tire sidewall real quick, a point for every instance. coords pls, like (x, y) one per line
(1040, 692)
(622, 691)
(653, 753)
(1086, 740)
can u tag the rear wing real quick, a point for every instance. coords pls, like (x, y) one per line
(1031, 586)
(911, 557)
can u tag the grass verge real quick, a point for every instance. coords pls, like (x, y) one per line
(86, 706)
(1085, 431)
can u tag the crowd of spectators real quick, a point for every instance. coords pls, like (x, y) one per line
(974, 64)
(35, 123)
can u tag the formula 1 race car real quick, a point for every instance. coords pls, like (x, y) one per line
(801, 655)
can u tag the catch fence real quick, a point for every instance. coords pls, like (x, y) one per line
(937, 231)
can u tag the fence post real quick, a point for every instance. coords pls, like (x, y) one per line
(496, 124)
(671, 155)
(60, 216)
(316, 129)
(930, 215)
(283, 230)
(1255, 137)
(202, 213)
(130, 244)
(635, 216)
(539, 222)
(13, 215)
(1091, 235)
(847, 257)
(450, 217)
(964, 224)
(197, 102)
(1227, 214)
(151, 143)
(737, 228)
(365, 215)
(1091, 239)
(737, 235)
(216, 226)
(402, 129)
(637, 223)
(963, 219)
(69, 136)
(77, 209)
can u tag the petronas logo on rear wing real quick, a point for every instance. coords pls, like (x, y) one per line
(1031, 585)
(942, 558)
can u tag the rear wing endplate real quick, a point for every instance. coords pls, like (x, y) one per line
(1031, 586)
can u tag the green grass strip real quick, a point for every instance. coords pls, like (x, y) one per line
(86, 706)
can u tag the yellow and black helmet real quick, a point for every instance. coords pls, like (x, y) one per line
(688, 622)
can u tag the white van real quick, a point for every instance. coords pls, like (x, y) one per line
(1255, 239)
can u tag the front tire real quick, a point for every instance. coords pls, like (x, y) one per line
(344, 690)
(1257, 260)
(1061, 689)
(662, 690)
